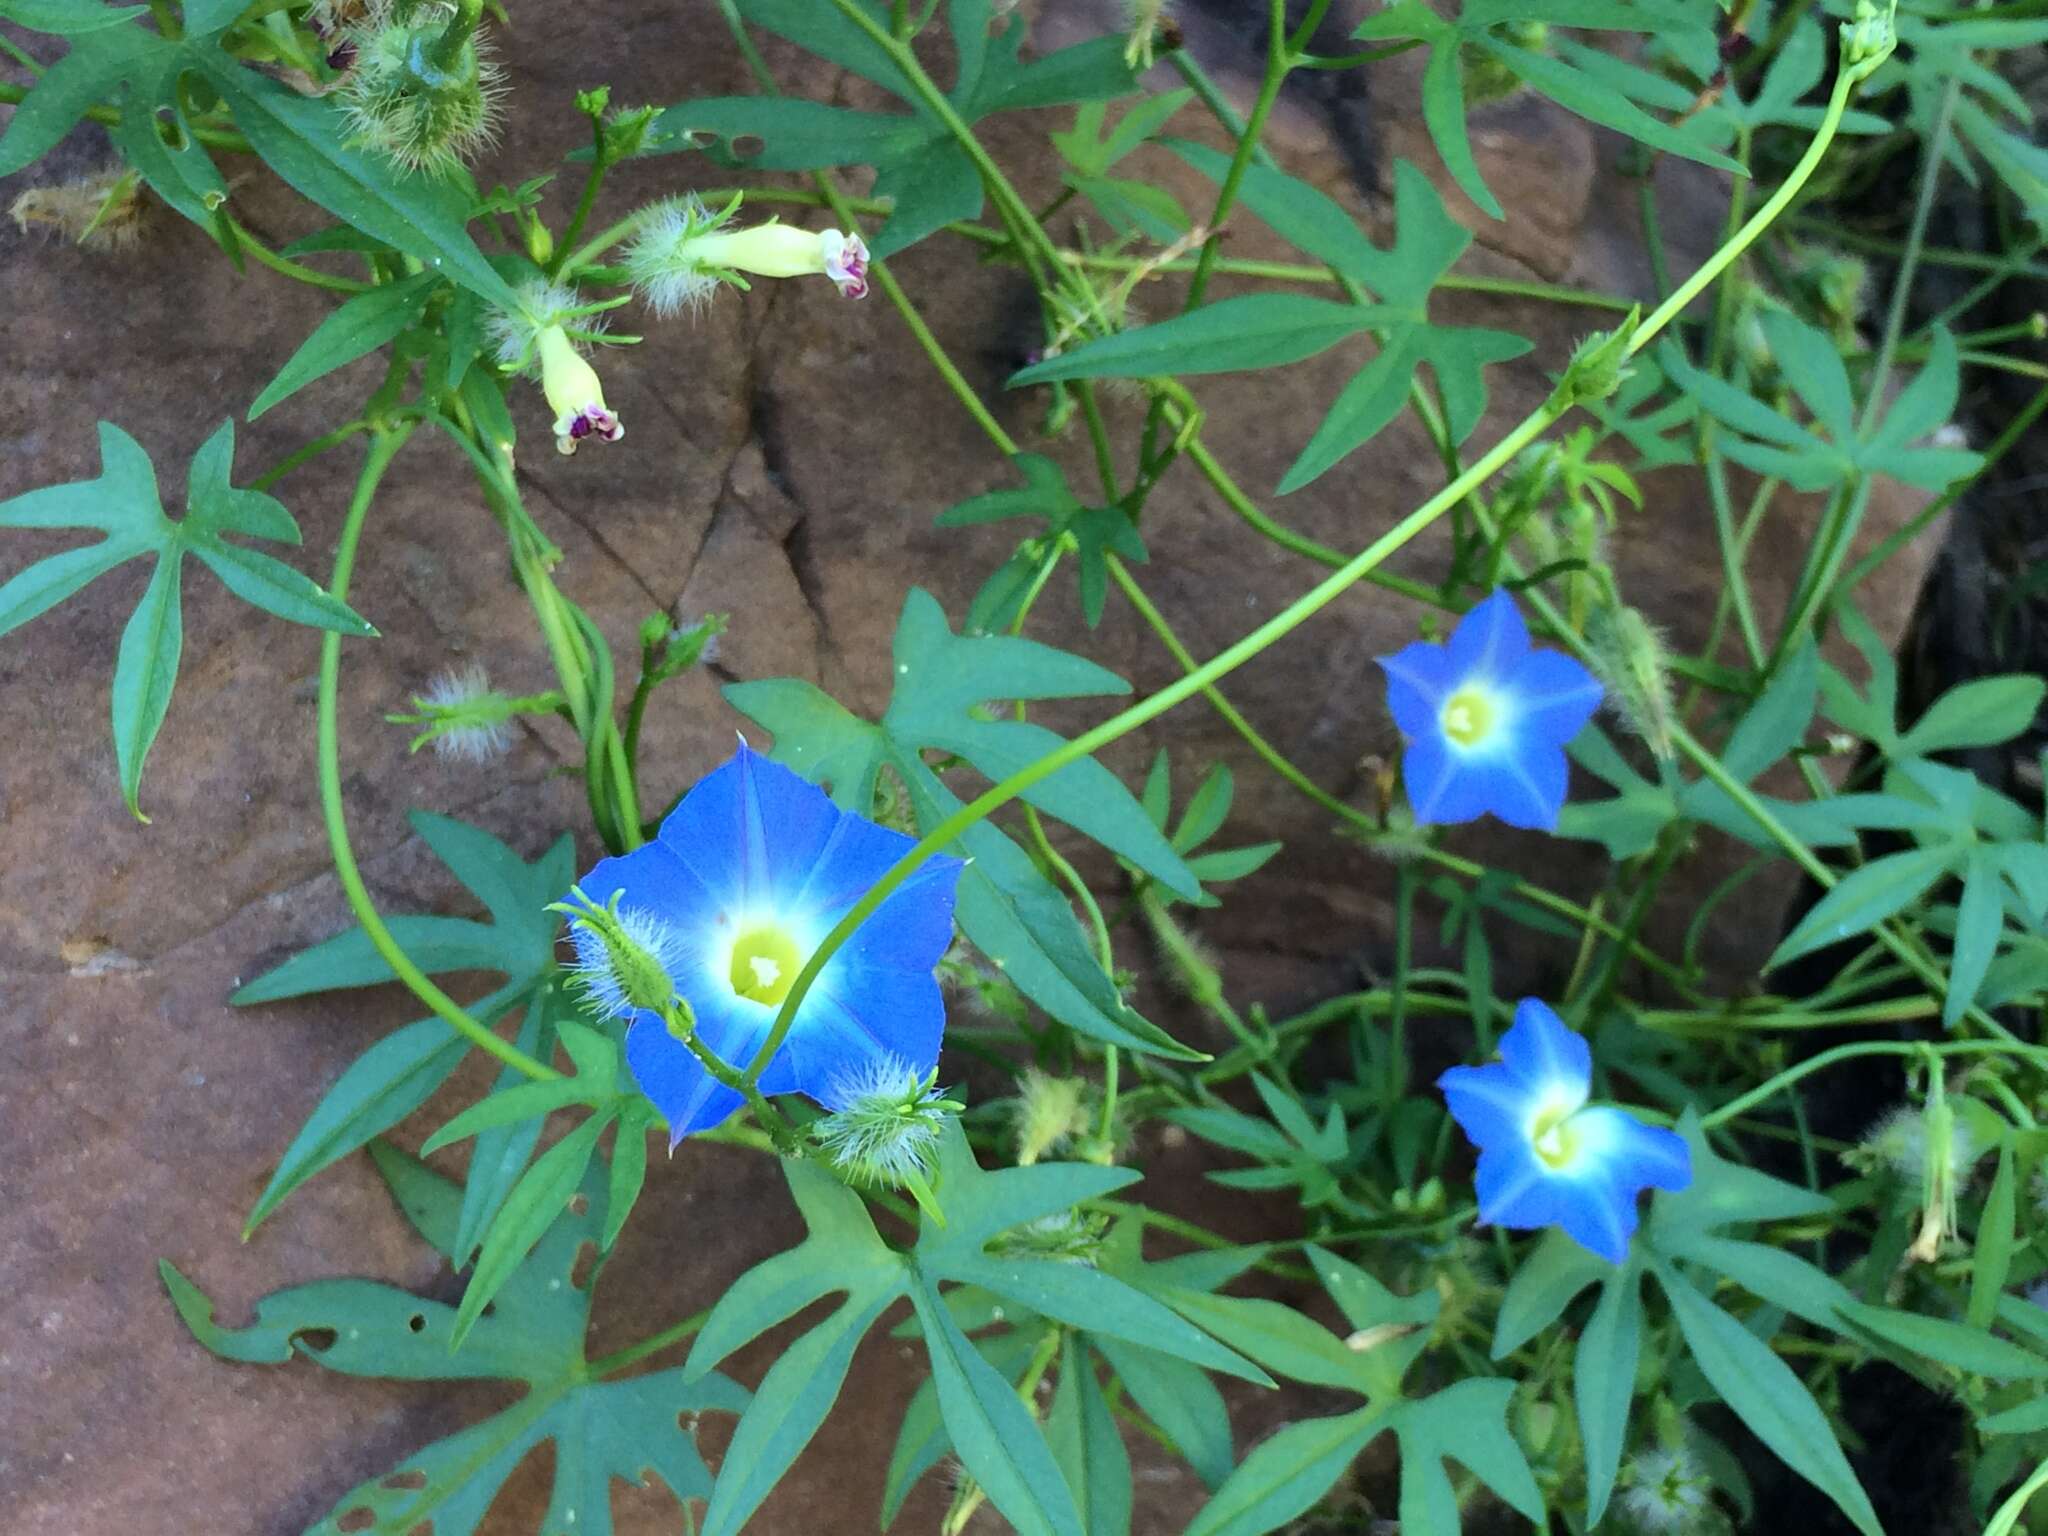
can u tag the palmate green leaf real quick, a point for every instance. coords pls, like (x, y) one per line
(400, 1073)
(1443, 91)
(1093, 533)
(1465, 1423)
(842, 1254)
(1767, 1396)
(600, 1429)
(117, 63)
(306, 141)
(980, 1205)
(918, 163)
(1627, 822)
(1427, 244)
(123, 504)
(1005, 907)
(518, 942)
(1803, 458)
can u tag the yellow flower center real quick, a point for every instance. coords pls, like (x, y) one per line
(764, 965)
(1469, 715)
(1552, 1137)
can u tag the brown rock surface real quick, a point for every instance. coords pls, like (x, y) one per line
(786, 456)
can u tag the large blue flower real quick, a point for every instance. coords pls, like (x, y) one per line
(1487, 718)
(748, 875)
(1546, 1157)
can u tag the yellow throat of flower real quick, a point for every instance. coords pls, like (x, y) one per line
(1469, 715)
(765, 962)
(1551, 1135)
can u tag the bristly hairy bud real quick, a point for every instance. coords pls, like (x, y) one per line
(1051, 1113)
(1630, 658)
(465, 718)
(626, 959)
(421, 89)
(885, 1123)
(1931, 1146)
(1668, 1493)
(102, 212)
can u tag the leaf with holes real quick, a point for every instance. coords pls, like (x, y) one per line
(138, 73)
(601, 1426)
(123, 504)
(919, 165)
(944, 684)
(400, 1072)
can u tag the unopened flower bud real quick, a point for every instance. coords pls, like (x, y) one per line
(1631, 660)
(1051, 1112)
(421, 89)
(885, 1123)
(626, 959)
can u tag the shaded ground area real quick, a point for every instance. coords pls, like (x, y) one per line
(786, 455)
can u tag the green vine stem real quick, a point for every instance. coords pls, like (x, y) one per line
(384, 446)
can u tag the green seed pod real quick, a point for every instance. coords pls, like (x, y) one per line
(423, 92)
(1631, 660)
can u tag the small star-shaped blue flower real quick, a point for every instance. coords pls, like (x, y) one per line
(747, 876)
(1487, 717)
(1546, 1157)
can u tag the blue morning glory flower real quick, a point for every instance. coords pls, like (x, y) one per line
(1487, 717)
(1546, 1157)
(747, 876)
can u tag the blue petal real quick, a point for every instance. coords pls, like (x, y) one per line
(1539, 1049)
(1419, 679)
(675, 1081)
(1492, 1105)
(653, 880)
(1490, 641)
(1525, 782)
(912, 929)
(1516, 1190)
(1446, 785)
(1637, 1156)
(1600, 1216)
(1554, 697)
(1430, 771)
(752, 831)
(854, 1018)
